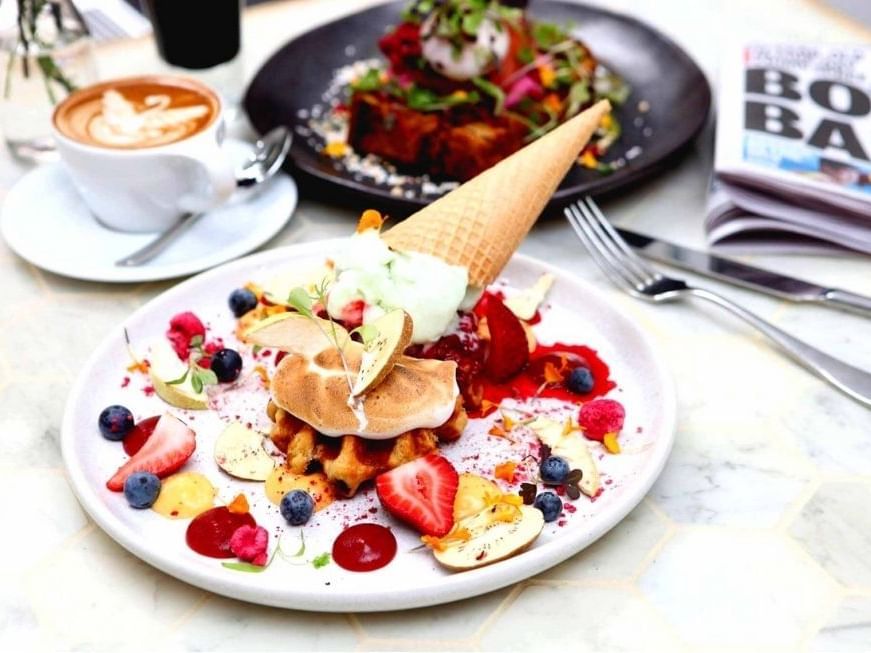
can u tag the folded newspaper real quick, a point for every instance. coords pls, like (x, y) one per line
(792, 170)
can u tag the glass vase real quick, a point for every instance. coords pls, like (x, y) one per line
(46, 56)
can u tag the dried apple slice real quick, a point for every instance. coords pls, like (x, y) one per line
(474, 494)
(239, 452)
(490, 540)
(393, 334)
(295, 333)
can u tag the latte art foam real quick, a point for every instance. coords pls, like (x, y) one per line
(121, 125)
(136, 113)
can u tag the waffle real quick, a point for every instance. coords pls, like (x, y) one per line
(349, 461)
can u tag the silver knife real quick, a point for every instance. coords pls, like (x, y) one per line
(748, 276)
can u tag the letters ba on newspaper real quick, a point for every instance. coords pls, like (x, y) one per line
(796, 118)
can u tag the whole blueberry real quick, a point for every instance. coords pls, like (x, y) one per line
(115, 422)
(141, 489)
(297, 507)
(549, 504)
(241, 301)
(553, 470)
(580, 381)
(226, 364)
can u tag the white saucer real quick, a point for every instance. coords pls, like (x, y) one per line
(44, 221)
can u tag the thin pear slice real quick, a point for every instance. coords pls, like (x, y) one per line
(393, 332)
(239, 452)
(525, 303)
(165, 366)
(491, 541)
(308, 276)
(297, 334)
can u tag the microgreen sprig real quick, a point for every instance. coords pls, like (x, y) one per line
(200, 376)
(303, 302)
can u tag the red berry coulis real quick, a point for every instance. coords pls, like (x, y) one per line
(364, 547)
(210, 532)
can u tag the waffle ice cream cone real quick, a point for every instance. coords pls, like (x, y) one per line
(480, 224)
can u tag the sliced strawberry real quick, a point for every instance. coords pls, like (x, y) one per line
(421, 493)
(509, 351)
(139, 435)
(168, 448)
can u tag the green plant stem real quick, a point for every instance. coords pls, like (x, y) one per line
(28, 15)
(7, 85)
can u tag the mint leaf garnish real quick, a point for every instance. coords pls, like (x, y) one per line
(367, 333)
(207, 376)
(180, 379)
(245, 566)
(300, 300)
(321, 561)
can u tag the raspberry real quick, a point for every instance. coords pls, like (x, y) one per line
(182, 328)
(249, 544)
(601, 416)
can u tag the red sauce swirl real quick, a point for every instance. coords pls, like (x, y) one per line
(364, 547)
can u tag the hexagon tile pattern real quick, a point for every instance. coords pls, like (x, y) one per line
(835, 528)
(730, 589)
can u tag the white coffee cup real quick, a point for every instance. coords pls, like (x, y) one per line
(146, 187)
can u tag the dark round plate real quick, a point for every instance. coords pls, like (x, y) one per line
(668, 106)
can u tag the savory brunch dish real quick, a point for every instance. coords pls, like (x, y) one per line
(467, 83)
(397, 377)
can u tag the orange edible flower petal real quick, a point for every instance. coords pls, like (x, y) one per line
(260, 371)
(257, 290)
(551, 373)
(547, 75)
(457, 535)
(610, 442)
(505, 471)
(139, 366)
(511, 499)
(371, 219)
(569, 426)
(487, 407)
(552, 102)
(507, 422)
(497, 431)
(588, 160)
(336, 149)
(239, 505)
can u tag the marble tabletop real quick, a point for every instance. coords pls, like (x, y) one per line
(755, 538)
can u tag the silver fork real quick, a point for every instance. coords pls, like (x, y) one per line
(630, 273)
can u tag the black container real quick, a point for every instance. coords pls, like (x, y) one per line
(195, 34)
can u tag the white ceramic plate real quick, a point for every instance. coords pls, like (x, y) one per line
(45, 221)
(577, 314)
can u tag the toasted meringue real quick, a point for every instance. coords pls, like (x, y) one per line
(416, 394)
